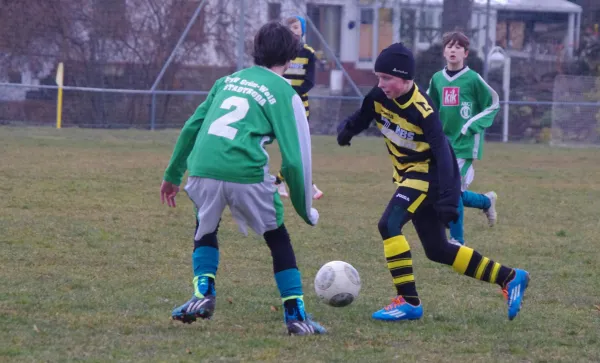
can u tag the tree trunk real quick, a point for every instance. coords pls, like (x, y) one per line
(457, 15)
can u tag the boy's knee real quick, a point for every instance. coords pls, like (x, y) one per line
(444, 252)
(277, 237)
(388, 229)
(434, 254)
(392, 221)
(382, 226)
(281, 248)
(208, 240)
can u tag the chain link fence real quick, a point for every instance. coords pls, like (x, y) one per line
(576, 120)
(98, 108)
(572, 119)
(149, 63)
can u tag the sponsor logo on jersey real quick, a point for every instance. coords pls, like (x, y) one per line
(450, 96)
(466, 110)
(405, 134)
(397, 135)
(410, 136)
(402, 196)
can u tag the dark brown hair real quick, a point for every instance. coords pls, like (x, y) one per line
(456, 37)
(274, 45)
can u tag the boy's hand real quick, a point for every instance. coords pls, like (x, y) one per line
(314, 216)
(168, 191)
(446, 214)
(344, 137)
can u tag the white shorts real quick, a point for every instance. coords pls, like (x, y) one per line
(255, 205)
(467, 173)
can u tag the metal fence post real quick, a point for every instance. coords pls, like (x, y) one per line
(153, 112)
(486, 50)
(241, 36)
(168, 62)
(181, 38)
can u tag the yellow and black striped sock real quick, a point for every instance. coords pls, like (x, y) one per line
(469, 262)
(399, 262)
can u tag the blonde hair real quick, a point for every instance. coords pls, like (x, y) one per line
(291, 20)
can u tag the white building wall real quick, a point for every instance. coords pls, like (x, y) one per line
(350, 37)
(28, 76)
(256, 14)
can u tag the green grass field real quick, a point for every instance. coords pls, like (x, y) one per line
(92, 264)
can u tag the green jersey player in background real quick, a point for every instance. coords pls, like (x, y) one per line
(222, 145)
(467, 106)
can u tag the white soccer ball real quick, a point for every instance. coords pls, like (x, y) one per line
(337, 283)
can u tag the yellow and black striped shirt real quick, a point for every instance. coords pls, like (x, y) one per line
(301, 74)
(419, 150)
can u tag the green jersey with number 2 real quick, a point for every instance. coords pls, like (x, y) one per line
(225, 138)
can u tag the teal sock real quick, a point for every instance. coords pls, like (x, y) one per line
(475, 200)
(289, 283)
(457, 228)
(205, 261)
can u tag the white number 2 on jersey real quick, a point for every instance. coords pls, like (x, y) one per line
(220, 126)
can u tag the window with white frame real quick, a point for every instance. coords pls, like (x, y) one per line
(477, 26)
(365, 45)
(385, 35)
(328, 21)
(427, 26)
(532, 32)
(274, 11)
(418, 27)
(376, 32)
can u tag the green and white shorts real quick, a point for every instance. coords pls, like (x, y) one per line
(257, 206)
(467, 173)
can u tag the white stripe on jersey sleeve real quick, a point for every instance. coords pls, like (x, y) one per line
(494, 106)
(305, 152)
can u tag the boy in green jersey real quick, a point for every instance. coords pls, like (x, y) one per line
(467, 106)
(222, 145)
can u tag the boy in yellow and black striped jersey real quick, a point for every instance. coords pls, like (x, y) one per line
(428, 187)
(301, 75)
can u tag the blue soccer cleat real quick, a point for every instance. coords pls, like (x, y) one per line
(195, 308)
(306, 327)
(297, 321)
(513, 292)
(398, 310)
(201, 305)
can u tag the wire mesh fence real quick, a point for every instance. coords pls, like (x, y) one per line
(576, 122)
(569, 120)
(149, 63)
(105, 108)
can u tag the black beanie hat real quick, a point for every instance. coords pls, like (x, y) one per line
(396, 60)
